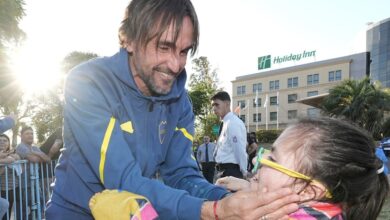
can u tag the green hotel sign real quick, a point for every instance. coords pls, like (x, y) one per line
(264, 62)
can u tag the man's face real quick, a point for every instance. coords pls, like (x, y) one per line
(155, 70)
(220, 108)
(4, 144)
(27, 137)
(206, 139)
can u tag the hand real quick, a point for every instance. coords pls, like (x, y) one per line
(255, 204)
(233, 183)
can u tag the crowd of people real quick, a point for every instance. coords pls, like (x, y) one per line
(9, 156)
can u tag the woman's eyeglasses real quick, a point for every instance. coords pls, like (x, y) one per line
(262, 161)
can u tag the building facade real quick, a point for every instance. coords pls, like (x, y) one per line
(378, 44)
(269, 99)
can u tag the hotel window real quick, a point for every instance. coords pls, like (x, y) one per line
(292, 82)
(292, 114)
(274, 85)
(273, 116)
(335, 75)
(241, 103)
(240, 90)
(313, 112)
(258, 87)
(242, 117)
(257, 117)
(258, 103)
(292, 98)
(273, 100)
(312, 93)
(312, 79)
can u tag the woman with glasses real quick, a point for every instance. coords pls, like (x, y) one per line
(331, 164)
(7, 177)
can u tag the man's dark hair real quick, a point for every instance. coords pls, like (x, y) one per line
(146, 19)
(25, 129)
(222, 95)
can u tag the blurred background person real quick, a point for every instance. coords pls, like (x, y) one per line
(206, 158)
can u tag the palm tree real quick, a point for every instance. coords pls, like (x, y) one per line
(359, 101)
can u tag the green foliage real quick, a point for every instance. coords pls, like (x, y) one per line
(11, 12)
(209, 121)
(359, 101)
(198, 99)
(203, 85)
(48, 116)
(75, 58)
(267, 136)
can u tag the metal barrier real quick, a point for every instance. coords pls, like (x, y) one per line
(26, 186)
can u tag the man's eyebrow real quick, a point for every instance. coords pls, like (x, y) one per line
(172, 45)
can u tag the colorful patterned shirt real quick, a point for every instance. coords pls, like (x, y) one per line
(318, 211)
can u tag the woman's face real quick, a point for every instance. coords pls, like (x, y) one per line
(283, 153)
(4, 144)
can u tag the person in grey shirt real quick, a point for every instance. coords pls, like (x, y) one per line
(205, 156)
(27, 151)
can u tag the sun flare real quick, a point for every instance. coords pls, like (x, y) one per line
(36, 73)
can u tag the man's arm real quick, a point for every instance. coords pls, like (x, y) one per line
(42, 157)
(180, 169)
(199, 153)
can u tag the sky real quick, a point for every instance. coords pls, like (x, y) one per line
(233, 33)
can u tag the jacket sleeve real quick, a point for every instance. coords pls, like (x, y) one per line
(237, 139)
(6, 123)
(180, 169)
(99, 137)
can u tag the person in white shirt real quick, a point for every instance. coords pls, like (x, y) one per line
(230, 153)
(206, 158)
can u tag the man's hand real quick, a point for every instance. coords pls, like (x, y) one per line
(254, 204)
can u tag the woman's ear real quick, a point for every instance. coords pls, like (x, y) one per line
(314, 191)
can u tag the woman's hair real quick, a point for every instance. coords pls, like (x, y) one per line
(9, 142)
(342, 157)
(146, 19)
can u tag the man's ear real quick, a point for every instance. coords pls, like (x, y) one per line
(129, 47)
(314, 191)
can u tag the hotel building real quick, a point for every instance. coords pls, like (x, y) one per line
(273, 99)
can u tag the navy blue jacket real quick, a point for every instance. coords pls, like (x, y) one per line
(117, 138)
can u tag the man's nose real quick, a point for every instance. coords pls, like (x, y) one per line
(175, 63)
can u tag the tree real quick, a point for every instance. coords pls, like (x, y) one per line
(203, 85)
(361, 102)
(11, 12)
(75, 58)
(49, 114)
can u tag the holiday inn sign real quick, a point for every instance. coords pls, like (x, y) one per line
(264, 62)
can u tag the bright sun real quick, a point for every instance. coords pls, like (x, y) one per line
(36, 73)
